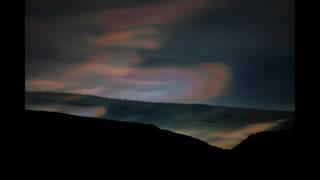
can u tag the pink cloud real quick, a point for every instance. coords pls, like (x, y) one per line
(103, 69)
(211, 80)
(107, 63)
(196, 84)
(121, 76)
(134, 38)
(43, 84)
(92, 91)
(125, 58)
(153, 14)
(138, 26)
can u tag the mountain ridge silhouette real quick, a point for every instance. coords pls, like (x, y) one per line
(180, 118)
(67, 136)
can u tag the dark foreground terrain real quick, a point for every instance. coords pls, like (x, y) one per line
(49, 138)
(195, 120)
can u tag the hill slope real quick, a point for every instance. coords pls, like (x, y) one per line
(60, 135)
(259, 147)
(49, 138)
(194, 120)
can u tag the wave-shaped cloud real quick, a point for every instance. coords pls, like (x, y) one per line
(112, 62)
(196, 84)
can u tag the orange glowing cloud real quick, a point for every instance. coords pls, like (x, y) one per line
(246, 130)
(100, 111)
(229, 139)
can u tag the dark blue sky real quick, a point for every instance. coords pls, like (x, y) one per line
(225, 52)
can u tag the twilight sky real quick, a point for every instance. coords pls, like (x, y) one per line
(221, 52)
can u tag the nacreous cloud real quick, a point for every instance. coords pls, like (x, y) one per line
(136, 38)
(161, 13)
(196, 84)
(111, 64)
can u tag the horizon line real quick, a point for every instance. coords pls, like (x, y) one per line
(161, 102)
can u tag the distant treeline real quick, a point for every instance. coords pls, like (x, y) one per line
(146, 101)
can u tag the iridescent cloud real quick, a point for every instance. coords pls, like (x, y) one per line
(196, 84)
(213, 80)
(154, 14)
(68, 41)
(43, 84)
(134, 38)
(138, 27)
(108, 72)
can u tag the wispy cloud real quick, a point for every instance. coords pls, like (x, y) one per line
(230, 137)
(161, 13)
(71, 43)
(142, 26)
(213, 80)
(143, 38)
(97, 111)
(175, 83)
(111, 64)
(43, 84)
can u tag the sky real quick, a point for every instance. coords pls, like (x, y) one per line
(219, 52)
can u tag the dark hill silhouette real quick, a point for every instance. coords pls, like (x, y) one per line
(270, 141)
(259, 147)
(170, 116)
(55, 137)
